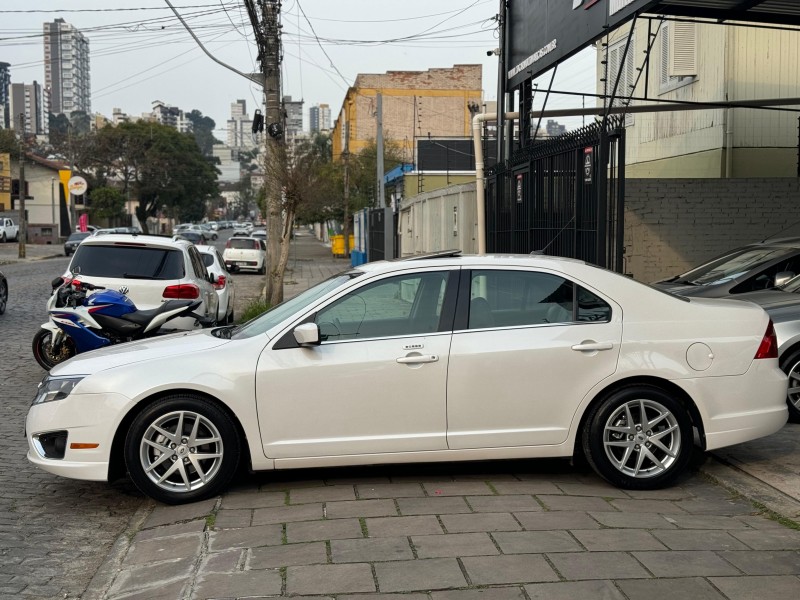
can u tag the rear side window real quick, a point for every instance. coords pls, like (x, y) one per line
(130, 262)
(208, 259)
(243, 244)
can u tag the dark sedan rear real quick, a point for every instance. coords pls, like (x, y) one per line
(74, 241)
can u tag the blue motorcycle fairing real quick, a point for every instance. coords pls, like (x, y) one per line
(114, 303)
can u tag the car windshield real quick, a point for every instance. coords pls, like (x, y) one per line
(128, 262)
(278, 313)
(734, 265)
(243, 244)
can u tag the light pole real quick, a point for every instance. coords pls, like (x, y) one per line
(53, 199)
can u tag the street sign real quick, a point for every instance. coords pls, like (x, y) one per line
(77, 185)
(587, 164)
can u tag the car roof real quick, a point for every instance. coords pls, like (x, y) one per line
(136, 238)
(453, 259)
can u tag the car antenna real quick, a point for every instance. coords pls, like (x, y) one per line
(555, 237)
(780, 232)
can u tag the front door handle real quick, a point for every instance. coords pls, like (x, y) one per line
(588, 346)
(417, 359)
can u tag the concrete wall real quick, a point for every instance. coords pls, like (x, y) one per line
(672, 225)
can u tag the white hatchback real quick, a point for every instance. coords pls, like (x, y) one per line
(221, 280)
(446, 358)
(245, 253)
(151, 269)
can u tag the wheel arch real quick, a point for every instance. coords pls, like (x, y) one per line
(116, 464)
(663, 384)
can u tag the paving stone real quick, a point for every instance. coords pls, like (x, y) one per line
(770, 539)
(287, 514)
(233, 518)
(765, 562)
(599, 489)
(685, 563)
(495, 593)
(383, 597)
(672, 493)
(759, 588)
(167, 515)
(458, 488)
(390, 490)
(330, 579)
(453, 544)
(527, 487)
(593, 565)
(249, 537)
(432, 506)
(328, 493)
(253, 499)
(669, 589)
(623, 540)
(158, 549)
(413, 575)
(226, 561)
(632, 520)
(396, 526)
(552, 520)
(289, 481)
(371, 550)
(532, 542)
(235, 585)
(574, 590)
(574, 503)
(480, 522)
(360, 508)
(274, 557)
(329, 529)
(757, 522)
(521, 568)
(700, 506)
(697, 539)
(514, 503)
(706, 522)
(647, 506)
(146, 575)
(171, 530)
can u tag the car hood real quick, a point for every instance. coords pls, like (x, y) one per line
(155, 348)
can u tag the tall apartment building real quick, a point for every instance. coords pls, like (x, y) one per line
(170, 115)
(66, 68)
(5, 81)
(319, 118)
(294, 117)
(240, 127)
(31, 101)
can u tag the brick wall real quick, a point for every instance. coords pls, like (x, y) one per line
(672, 225)
(459, 77)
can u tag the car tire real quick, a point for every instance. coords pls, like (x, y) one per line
(263, 269)
(3, 238)
(4, 296)
(191, 470)
(791, 366)
(635, 452)
(42, 349)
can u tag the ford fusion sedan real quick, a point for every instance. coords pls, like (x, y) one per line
(435, 359)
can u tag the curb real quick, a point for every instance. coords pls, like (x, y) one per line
(14, 261)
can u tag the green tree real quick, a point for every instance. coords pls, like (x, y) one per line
(203, 131)
(81, 123)
(9, 142)
(59, 132)
(107, 203)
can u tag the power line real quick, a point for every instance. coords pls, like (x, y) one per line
(335, 68)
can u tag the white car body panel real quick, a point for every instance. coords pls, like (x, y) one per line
(351, 402)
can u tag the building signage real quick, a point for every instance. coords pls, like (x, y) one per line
(77, 186)
(535, 57)
(519, 188)
(588, 153)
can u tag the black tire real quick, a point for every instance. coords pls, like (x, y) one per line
(3, 238)
(43, 353)
(167, 413)
(3, 295)
(614, 440)
(263, 269)
(791, 366)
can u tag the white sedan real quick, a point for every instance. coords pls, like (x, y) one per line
(432, 359)
(221, 280)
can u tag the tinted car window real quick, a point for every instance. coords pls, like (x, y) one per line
(208, 259)
(734, 265)
(134, 262)
(765, 279)
(245, 244)
(76, 237)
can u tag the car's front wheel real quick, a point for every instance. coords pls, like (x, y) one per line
(791, 366)
(638, 437)
(182, 448)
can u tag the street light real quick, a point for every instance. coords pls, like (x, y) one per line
(53, 199)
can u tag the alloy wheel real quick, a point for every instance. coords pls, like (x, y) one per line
(794, 385)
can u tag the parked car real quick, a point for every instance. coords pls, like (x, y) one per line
(245, 253)
(3, 293)
(214, 225)
(208, 231)
(196, 237)
(753, 267)
(185, 227)
(107, 230)
(259, 234)
(446, 358)
(74, 240)
(150, 268)
(222, 281)
(9, 231)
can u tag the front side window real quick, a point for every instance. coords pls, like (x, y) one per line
(396, 306)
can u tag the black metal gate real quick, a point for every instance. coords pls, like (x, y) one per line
(376, 237)
(562, 196)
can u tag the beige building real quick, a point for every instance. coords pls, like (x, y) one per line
(435, 103)
(703, 62)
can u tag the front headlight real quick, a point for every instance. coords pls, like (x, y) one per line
(55, 388)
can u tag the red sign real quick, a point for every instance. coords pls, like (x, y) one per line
(83, 222)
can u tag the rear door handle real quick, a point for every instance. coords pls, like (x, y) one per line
(417, 359)
(592, 346)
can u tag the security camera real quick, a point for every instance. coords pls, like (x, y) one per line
(495, 52)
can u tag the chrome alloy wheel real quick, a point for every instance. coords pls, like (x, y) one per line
(794, 385)
(642, 438)
(181, 451)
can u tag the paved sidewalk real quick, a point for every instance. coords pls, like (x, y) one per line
(9, 252)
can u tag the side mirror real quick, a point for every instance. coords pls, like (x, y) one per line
(783, 278)
(307, 334)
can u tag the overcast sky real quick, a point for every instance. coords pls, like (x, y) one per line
(139, 52)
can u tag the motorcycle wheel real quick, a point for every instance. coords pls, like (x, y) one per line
(42, 349)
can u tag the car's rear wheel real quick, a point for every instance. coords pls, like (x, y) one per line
(791, 366)
(43, 351)
(3, 295)
(263, 269)
(638, 437)
(3, 238)
(182, 448)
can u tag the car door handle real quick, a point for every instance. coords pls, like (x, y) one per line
(417, 359)
(592, 346)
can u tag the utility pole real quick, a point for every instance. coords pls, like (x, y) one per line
(346, 157)
(379, 140)
(23, 223)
